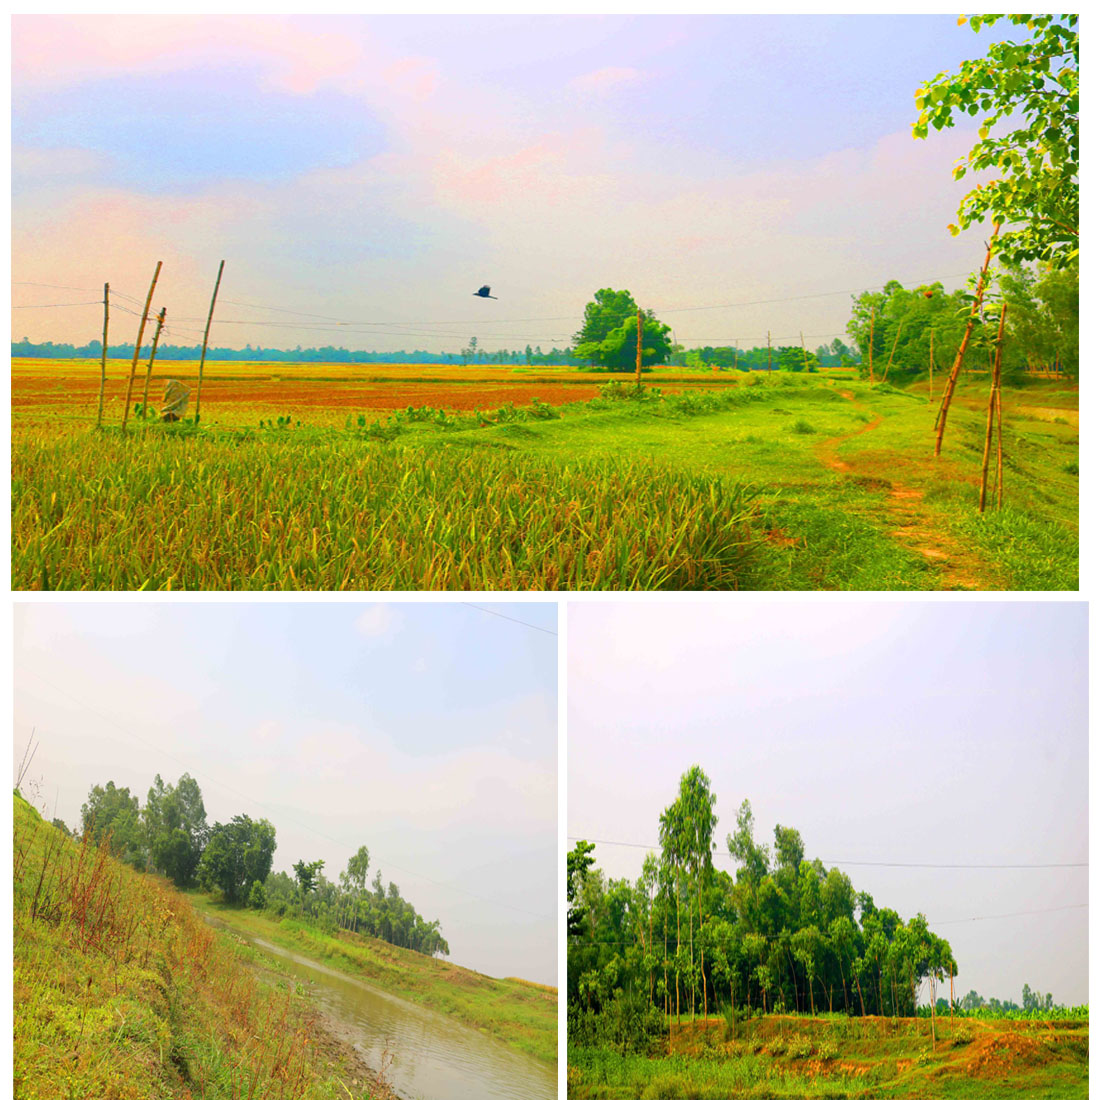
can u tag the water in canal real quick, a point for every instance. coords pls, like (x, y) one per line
(435, 1058)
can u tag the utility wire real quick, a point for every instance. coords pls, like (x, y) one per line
(532, 626)
(129, 735)
(872, 863)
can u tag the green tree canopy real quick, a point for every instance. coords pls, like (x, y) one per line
(237, 855)
(1032, 83)
(175, 827)
(609, 335)
(113, 815)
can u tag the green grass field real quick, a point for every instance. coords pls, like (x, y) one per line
(522, 1014)
(122, 991)
(839, 1057)
(787, 482)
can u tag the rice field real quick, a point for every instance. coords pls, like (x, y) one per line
(484, 478)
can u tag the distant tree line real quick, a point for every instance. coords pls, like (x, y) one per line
(1041, 325)
(471, 353)
(786, 934)
(169, 835)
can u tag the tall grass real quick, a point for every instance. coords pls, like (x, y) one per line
(122, 991)
(322, 510)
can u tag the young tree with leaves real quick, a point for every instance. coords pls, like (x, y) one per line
(1032, 81)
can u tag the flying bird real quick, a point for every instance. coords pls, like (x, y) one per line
(484, 293)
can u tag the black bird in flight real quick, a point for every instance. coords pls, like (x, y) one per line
(484, 293)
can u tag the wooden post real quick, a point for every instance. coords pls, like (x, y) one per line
(149, 368)
(931, 343)
(137, 346)
(103, 361)
(638, 359)
(871, 350)
(769, 351)
(952, 378)
(206, 338)
(994, 385)
(1000, 451)
(892, 350)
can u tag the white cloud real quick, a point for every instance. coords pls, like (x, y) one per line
(377, 620)
(604, 80)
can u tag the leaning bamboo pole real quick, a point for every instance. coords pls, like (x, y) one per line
(206, 338)
(103, 360)
(137, 345)
(952, 378)
(892, 350)
(149, 368)
(994, 387)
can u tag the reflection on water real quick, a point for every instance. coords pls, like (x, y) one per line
(435, 1058)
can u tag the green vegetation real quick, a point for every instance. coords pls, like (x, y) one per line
(692, 983)
(121, 991)
(521, 1013)
(1034, 83)
(780, 1057)
(701, 490)
(609, 335)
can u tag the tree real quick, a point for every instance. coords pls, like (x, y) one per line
(306, 874)
(577, 863)
(609, 335)
(1033, 82)
(112, 815)
(175, 825)
(237, 855)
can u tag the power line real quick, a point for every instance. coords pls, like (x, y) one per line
(532, 626)
(874, 863)
(255, 801)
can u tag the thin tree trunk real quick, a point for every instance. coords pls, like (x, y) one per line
(952, 378)
(931, 343)
(1000, 452)
(638, 362)
(769, 372)
(137, 345)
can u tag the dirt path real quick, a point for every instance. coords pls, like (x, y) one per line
(911, 523)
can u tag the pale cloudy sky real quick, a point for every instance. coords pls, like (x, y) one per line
(426, 731)
(885, 732)
(379, 169)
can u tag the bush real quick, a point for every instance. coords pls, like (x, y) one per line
(803, 427)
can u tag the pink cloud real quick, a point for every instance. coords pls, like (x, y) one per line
(603, 80)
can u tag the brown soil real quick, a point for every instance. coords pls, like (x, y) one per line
(999, 1054)
(912, 525)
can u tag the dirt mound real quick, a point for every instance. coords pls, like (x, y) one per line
(1000, 1054)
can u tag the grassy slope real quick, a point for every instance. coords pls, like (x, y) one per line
(779, 1057)
(523, 1014)
(659, 494)
(122, 991)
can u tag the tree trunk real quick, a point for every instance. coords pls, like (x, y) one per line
(952, 378)
(994, 388)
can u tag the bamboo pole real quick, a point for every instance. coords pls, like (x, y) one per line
(137, 346)
(769, 351)
(805, 362)
(871, 351)
(638, 356)
(892, 350)
(931, 344)
(206, 338)
(1000, 450)
(952, 378)
(149, 368)
(103, 361)
(994, 385)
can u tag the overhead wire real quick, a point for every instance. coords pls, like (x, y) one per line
(871, 863)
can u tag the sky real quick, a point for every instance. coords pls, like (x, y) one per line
(369, 173)
(885, 732)
(427, 732)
